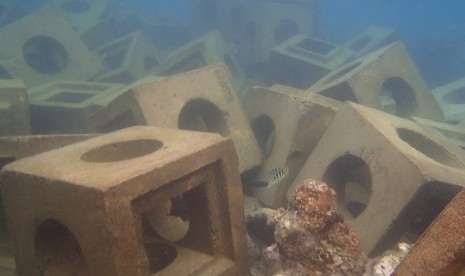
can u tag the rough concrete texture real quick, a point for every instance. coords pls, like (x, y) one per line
(287, 124)
(128, 58)
(203, 100)
(451, 98)
(209, 48)
(385, 170)
(301, 61)
(370, 39)
(93, 207)
(66, 106)
(312, 237)
(49, 50)
(441, 249)
(14, 108)
(388, 71)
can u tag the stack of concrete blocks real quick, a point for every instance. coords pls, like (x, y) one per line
(201, 100)
(287, 124)
(14, 108)
(302, 60)
(386, 172)
(389, 72)
(371, 39)
(128, 59)
(101, 207)
(451, 98)
(440, 250)
(41, 47)
(208, 49)
(69, 107)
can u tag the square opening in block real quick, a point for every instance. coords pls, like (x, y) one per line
(316, 46)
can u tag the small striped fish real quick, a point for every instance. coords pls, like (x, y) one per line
(277, 174)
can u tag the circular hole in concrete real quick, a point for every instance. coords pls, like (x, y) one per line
(202, 115)
(75, 6)
(170, 219)
(250, 33)
(120, 151)
(350, 177)
(343, 71)
(264, 131)
(57, 250)
(402, 94)
(150, 63)
(360, 43)
(45, 55)
(160, 255)
(285, 29)
(456, 96)
(429, 148)
(228, 60)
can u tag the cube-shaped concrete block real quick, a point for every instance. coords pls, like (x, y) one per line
(451, 98)
(370, 39)
(14, 109)
(42, 48)
(287, 125)
(389, 72)
(439, 251)
(202, 100)
(65, 106)
(140, 201)
(128, 58)
(385, 171)
(301, 61)
(207, 49)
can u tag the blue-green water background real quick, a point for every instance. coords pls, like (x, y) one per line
(433, 30)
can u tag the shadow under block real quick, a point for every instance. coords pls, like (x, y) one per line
(93, 207)
(385, 170)
(301, 61)
(451, 98)
(69, 107)
(128, 59)
(370, 39)
(287, 125)
(49, 50)
(14, 109)
(440, 250)
(201, 100)
(387, 72)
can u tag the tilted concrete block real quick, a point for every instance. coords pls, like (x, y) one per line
(440, 250)
(128, 58)
(389, 72)
(42, 48)
(14, 109)
(201, 100)
(134, 202)
(207, 49)
(385, 171)
(370, 39)
(287, 124)
(451, 98)
(65, 107)
(301, 61)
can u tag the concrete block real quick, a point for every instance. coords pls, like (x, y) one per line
(370, 39)
(385, 170)
(440, 250)
(14, 109)
(301, 61)
(128, 59)
(49, 50)
(454, 133)
(451, 98)
(387, 72)
(202, 100)
(138, 201)
(287, 125)
(65, 107)
(207, 49)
